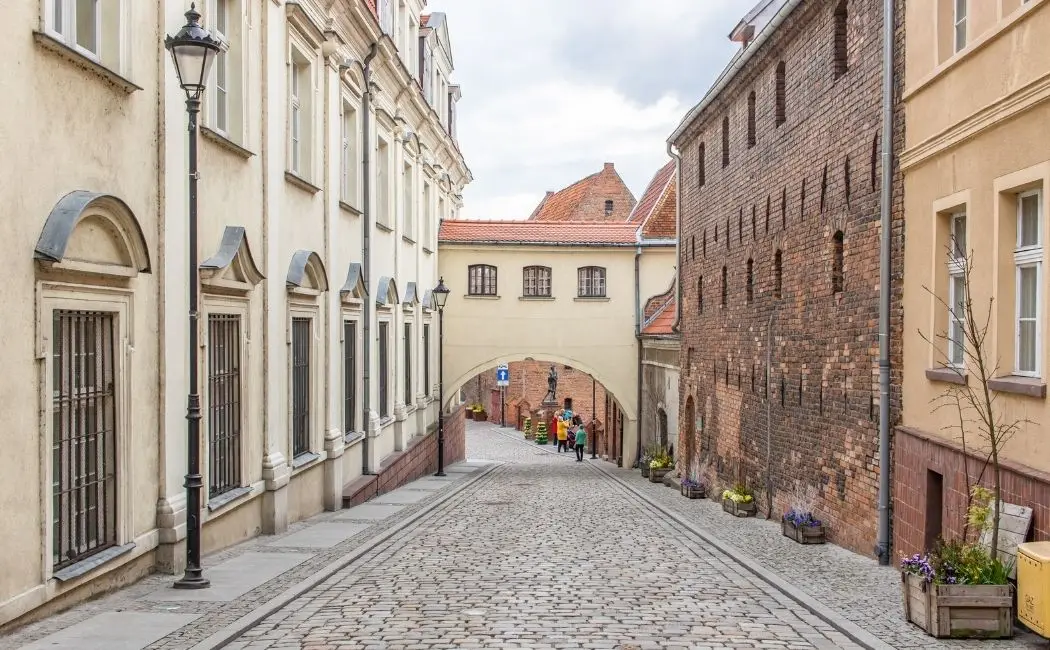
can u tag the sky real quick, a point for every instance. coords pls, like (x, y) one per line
(552, 89)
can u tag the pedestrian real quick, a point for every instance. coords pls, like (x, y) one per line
(580, 441)
(563, 435)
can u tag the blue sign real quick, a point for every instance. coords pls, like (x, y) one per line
(502, 376)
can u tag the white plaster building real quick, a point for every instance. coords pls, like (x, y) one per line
(327, 160)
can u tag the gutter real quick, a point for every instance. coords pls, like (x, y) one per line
(731, 73)
(678, 236)
(502, 242)
(366, 262)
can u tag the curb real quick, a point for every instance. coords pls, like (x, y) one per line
(234, 630)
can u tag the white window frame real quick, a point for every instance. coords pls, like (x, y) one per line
(383, 193)
(956, 269)
(64, 27)
(308, 309)
(408, 211)
(295, 152)
(348, 156)
(1028, 257)
(221, 28)
(959, 21)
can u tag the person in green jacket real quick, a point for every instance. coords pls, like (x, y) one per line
(581, 441)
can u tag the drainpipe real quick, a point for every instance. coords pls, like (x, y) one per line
(678, 236)
(638, 339)
(883, 547)
(769, 416)
(366, 262)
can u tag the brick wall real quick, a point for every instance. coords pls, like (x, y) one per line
(418, 460)
(816, 174)
(528, 385)
(917, 454)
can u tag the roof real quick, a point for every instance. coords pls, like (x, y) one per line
(585, 199)
(556, 233)
(656, 211)
(424, 19)
(659, 314)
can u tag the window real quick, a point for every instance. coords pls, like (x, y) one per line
(481, 280)
(386, 16)
(84, 445)
(91, 27)
(700, 295)
(349, 376)
(751, 119)
(383, 183)
(778, 274)
(591, 282)
(725, 286)
(837, 262)
(426, 359)
(536, 282)
(349, 155)
(957, 290)
(960, 24)
(1028, 260)
(408, 209)
(781, 90)
(841, 50)
(224, 403)
(725, 141)
(427, 217)
(701, 160)
(300, 122)
(384, 369)
(608, 208)
(408, 364)
(301, 386)
(220, 94)
(750, 280)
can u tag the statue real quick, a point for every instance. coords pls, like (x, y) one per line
(552, 386)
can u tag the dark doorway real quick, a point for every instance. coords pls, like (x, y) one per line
(934, 508)
(662, 416)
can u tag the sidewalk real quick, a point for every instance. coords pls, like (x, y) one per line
(248, 581)
(847, 585)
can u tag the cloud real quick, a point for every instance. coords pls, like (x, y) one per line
(554, 88)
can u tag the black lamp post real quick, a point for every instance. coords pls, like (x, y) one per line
(440, 297)
(193, 50)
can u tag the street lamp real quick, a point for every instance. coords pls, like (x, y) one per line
(193, 50)
(440, 297)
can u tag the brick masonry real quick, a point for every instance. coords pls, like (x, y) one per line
(528, 385)
(918, 455)
(419, 459)
(799, 183)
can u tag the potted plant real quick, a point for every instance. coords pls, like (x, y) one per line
(693, 489)
(802, 527)
(527, 428)
(739, 501)
(659, 466)
(541, 433)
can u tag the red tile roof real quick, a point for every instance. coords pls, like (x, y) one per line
(656, 209)
(424, 19)
(653, 191)
(661, 321)
(585, 199)
(580, 233)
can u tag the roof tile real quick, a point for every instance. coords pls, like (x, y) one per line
(538, 232)
(585, 199)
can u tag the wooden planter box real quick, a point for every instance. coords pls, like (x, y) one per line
(645, 470)
(803, 534)
(481, 416)
(657, 475)
(693, 493)
(739, 509)
(958, 611)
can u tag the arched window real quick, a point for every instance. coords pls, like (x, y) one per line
(608, 207)
(692, 245)
(837, 262)
(781, 93)
(750, 280)
(701, 161)
(705, 244)
(481, 280)
(591, 281)
(725, 286)
(536, 282)
(845, 177)
(841, 57)
(751, 119)
(778, 273)
(784, 208)
(823, 187)
(725, 141)
(700, 294)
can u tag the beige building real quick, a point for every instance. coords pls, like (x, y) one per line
(976, 166)
(327, 159)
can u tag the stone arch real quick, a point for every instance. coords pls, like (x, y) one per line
(306, 272)
(232, 269)
(93, 233)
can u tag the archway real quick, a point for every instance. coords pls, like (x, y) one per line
(661, 414)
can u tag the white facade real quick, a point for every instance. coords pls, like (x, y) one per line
(95, 355)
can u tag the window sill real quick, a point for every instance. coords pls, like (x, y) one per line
(591, 299)
(408, 240)
(302, 460)
(948, 375)
(536, 298)
(1027, 386)
(346, 207)
(382, 226)
(225, 142)
(351, 438)
(226, 498)
(472, 296)
(58, 47)
(301, 182)
(88, 565)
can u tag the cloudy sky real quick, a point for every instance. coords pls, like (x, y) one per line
(554, 88)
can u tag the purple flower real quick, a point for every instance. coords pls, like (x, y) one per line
(801, 519)
(690, 484)
(920, 566)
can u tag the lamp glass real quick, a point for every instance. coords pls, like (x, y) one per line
(440, 294)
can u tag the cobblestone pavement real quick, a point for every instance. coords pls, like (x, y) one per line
(543, 552)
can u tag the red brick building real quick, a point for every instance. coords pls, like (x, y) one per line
(602, 196)
(779, 257)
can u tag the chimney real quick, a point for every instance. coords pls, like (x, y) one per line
(609, 167)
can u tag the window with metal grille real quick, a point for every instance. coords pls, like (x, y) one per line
(481, 280)
(536, 282)
(408, 363)
(84, 445)
(592, 281)
(301, 332)
(224, 403)
(426, 358)
(384, 369)
(349, 376)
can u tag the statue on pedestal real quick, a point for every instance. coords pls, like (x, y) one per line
(552, 386)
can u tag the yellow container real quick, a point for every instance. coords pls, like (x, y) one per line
(1033, 586)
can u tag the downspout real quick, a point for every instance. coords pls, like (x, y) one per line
(366, 262)
(638, 339)
(883, 547)
(769, 416)
(678, 237)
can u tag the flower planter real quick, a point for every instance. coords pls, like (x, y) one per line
(645, 470)
(693, 493)
(481, 416)
(803, 534)
(657, 475)
(958, 611)
(739, 509)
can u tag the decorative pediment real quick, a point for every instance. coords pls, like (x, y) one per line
(94, 234)
(306, 274)
(428, 300)
(386, 296)
(411, 298)
(306, 24)
(232, 269)
(354, 288)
